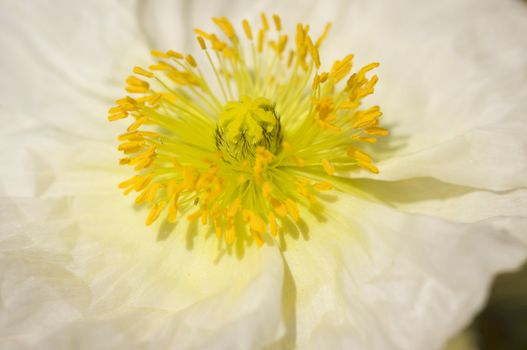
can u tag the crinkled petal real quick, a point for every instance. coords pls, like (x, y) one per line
(65, 62)
(451, 87)
(492, 157)
(371, 277)
(451, 202)
(84, 270)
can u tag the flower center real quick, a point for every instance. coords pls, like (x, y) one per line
(246, 125)
(244, 153)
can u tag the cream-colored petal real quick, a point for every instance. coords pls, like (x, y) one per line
(451, 87)
(371, 277)
(66, 61)
(492, 157)
(451, 202)
(86, 271)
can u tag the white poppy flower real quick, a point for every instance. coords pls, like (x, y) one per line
(399, 260)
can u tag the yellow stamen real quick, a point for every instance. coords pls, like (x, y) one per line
(265, 22)
(277, 22)
(143, 72)
(323, 186)
(202, 43)
(328, 167)
(247, 29)
(254, 148)
(117, 116)
(323, 36)
(190, 59)
(376, 131)
(159, 54)
(272, 223)
(154, 212)
(175, 55)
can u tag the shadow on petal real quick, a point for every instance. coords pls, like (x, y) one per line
(411, 190)
(165, 230)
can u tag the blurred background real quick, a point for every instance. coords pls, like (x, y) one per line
(502, 324)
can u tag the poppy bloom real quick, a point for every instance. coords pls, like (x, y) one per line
(265, 215)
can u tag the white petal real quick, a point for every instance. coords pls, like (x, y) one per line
(492, 157)
(76, 268)
(66, 60)
(374, 278)
(451, 87)
(451, 202)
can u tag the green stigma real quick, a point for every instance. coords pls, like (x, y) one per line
(245, 125)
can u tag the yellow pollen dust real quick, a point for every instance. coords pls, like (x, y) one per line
(244, 137)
